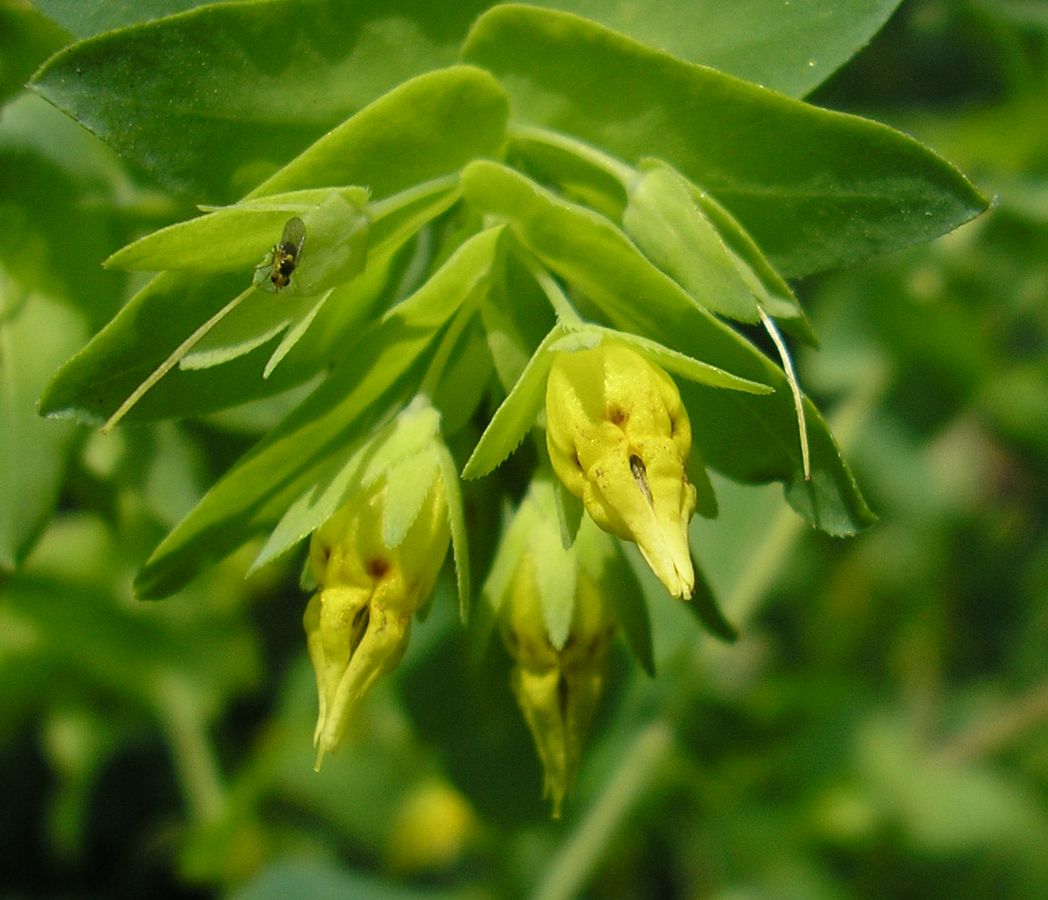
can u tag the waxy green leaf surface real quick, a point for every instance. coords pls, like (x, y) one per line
(814, 188)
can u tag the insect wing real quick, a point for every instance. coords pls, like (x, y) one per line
(294, 235)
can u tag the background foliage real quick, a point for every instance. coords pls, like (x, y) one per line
(877, 730)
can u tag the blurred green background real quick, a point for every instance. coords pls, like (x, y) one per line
(880, 729)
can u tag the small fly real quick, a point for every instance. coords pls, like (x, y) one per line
(284, 257)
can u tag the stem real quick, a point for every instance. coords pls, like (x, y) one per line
(168, 364)
(618, 170)
(562, 307)
(999, 729)
(574, 863)
(387, 205)
(190, 747)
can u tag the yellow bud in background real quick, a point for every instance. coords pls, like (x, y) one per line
(558, 690)
(359, 621)
(619, 438)
(432, 829)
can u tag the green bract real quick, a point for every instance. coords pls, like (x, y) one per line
(535, 238)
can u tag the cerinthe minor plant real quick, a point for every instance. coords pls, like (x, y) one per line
(565, 239)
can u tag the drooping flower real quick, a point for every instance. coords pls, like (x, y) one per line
(359, 620)
(619, 437)
(557, 624)
(558, 690)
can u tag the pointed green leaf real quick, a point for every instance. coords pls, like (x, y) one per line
(665, 223)
(584, 248)
(384, 452)
(459, 534)
(408, 482)
(267, 316)
(814, 188)
(678, 363)
(555, 567)
(298, 327)
(775, 295)
(229, 237)
(517, 413)
(569, 513)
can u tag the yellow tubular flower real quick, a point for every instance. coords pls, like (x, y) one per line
(358, 622)
(558, 690)
(619, 437)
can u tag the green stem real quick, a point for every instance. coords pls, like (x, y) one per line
(619, 171)
(190, 747)
(565, 312)
(576, 860)
(999, 729)
(387, 205)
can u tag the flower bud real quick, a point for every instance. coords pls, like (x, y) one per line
(359, 620)
(558, 689)
(618, 438)
(432, 829)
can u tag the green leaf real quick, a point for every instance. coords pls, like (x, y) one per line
(36, 332)
(517, 413)
(459, 533)
(704, 607)
(213, 101)
(750, 437)
(814, 188)
(775, 295)
(267, 316)
(665, 223)
(84, 17)
(791, 47)
(585, 249)
(427, 127)
(298, 454)
(26, 40)
(230, 237)
(678, 363)
(569, 512)
(555, 567)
